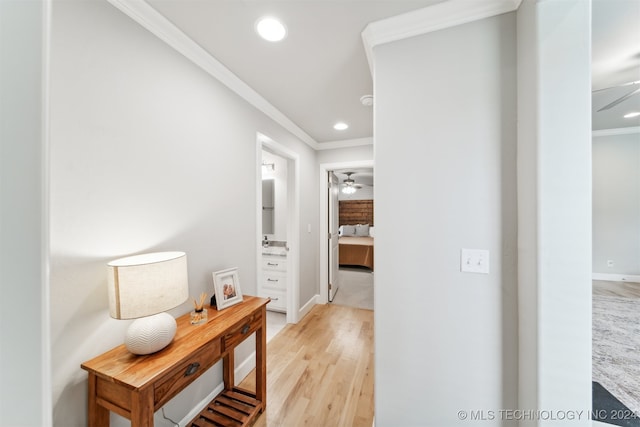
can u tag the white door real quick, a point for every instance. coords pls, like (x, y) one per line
(334, 189)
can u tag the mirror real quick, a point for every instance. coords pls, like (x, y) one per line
(268, 206)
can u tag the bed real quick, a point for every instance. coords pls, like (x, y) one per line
(356, 250)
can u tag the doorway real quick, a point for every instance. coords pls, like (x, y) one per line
(290, 233)
(325, 258)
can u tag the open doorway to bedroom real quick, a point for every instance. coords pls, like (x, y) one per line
(347, 261)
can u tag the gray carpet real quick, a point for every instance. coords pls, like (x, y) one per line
(356, 288)
(616, 347)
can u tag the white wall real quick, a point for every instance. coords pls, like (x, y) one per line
(446, 341)
(148, 153)
(554, 207)
(616, 204)
(347, 154)
(24, 357)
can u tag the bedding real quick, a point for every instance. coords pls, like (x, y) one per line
(356, 250)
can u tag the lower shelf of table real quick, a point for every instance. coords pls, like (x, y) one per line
(233, 407)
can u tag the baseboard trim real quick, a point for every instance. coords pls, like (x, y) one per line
(245, 367)
(616, 277)
(306, 308)
(201, 405)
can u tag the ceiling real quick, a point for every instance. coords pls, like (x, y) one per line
(318, 73)
(615, 60)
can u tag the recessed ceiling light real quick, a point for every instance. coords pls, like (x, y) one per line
(271, 29)
(340, 126)
(634, 114)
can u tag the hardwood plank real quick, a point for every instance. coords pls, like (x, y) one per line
(320, 371)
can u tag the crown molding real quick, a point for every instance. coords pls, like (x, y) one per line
(432, 18)
(617, 131)
(161, 27)
(331, 145)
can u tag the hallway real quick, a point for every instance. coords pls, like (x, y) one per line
(320, 371)
(356, 288)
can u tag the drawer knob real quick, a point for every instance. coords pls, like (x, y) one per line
(270, 263)
(275, 299)
(191, 369)
(245, 329)
(272, 280)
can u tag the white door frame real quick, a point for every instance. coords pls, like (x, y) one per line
(293, 221)
(324, 219)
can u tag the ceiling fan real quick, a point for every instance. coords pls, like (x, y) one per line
(623, 98)
(349, 185)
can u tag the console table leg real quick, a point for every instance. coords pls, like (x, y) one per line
(228, 367)
(261, 361)
(98, 416)
(142, 409)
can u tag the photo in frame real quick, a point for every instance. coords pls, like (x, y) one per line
(226, 288)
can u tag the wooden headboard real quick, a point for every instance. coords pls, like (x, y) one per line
(356, 212)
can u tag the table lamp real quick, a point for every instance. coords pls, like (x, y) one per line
(143, 287)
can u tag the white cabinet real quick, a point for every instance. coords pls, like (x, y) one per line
(274, 281)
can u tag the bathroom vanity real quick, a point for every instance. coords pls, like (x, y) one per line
(274, 277)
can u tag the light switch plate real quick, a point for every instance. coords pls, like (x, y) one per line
(474, 261)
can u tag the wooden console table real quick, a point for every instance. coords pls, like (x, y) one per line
(137, 386)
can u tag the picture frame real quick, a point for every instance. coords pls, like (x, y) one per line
(226, 288)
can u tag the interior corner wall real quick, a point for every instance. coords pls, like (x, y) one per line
(616, 204)
(148, 153)
(554, 210)
(446, 341)
(24, 355)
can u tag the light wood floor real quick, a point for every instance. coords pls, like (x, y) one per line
(320, 371)
(616, 289)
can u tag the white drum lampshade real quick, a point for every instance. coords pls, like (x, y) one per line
(143, 287)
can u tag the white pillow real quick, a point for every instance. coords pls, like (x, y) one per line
(362, 230)
(371, 230)
(348, 230)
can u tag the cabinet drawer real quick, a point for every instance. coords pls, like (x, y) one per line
(274, 263)
(278, 299)
(274, 280)
(241, 331)
(186, 372)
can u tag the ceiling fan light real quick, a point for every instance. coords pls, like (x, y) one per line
(348, 189)
(633, 114)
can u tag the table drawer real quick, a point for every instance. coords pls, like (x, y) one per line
(241, 331)
(186, 372)
(274, 263)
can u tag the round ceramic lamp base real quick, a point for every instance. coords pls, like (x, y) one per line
(150, 334)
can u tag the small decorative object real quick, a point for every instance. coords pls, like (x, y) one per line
(199, 313)
(226, 288)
